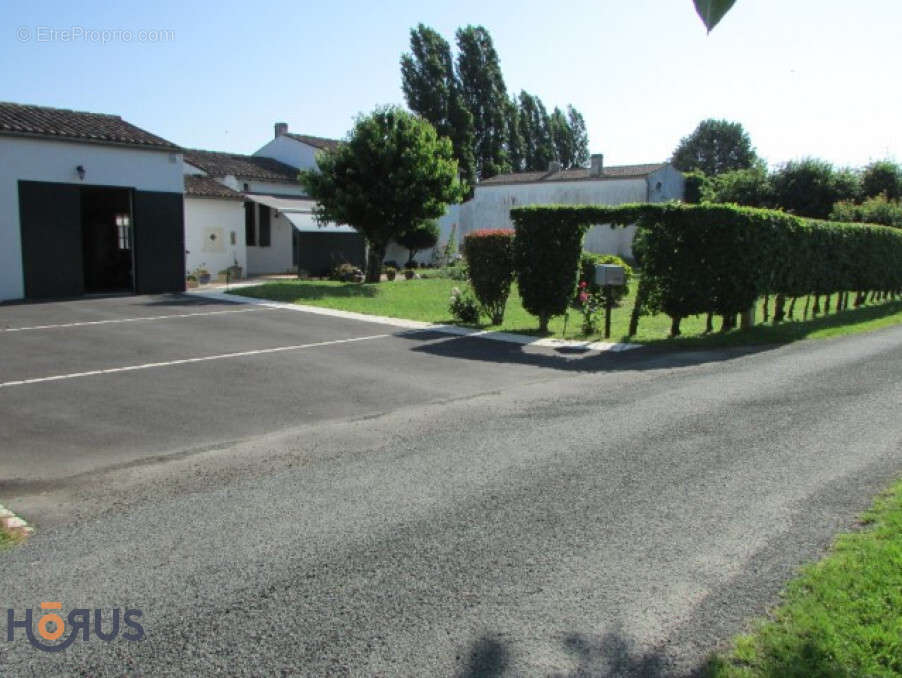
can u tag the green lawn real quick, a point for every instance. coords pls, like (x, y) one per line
(427, 300)
(841, 617)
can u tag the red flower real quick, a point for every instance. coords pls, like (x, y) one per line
(583, 285)
(583, 297)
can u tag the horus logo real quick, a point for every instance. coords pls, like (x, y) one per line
(52, 627)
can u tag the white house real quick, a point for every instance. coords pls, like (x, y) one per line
(594, 185)
(278, 232)
(88, 203)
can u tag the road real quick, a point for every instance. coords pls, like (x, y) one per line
(514, 513)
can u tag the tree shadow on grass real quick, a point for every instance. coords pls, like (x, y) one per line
(291, 292)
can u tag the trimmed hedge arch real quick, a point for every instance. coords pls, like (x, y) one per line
(719, 259)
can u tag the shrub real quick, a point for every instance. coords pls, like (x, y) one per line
(390, 272)
(409, 273)
(391, 263)
(346, 273)
(883, 177)
(547, 245)
(695, 187)
(464, 307)
(587, 263)
(876, 210)
(422, 237)
(490, 259)
(810, 187)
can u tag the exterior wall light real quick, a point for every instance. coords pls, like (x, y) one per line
(80, 170)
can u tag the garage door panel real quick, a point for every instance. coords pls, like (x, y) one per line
(50, 220)
(158, 222)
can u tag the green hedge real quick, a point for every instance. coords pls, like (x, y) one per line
(719, 259)
(489, 256)
(546, 259)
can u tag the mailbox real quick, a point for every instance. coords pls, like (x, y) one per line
(610, 275)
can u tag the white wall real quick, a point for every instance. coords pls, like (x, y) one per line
(39, 160)
(277, 257)
(290, 151)
(220, 218)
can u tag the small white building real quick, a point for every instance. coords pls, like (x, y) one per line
(594, 185)
(89, 203)
(278, 233)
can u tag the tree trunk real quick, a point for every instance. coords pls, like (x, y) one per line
(792, 309)
(817, 305)
(807, 306)
(766, 304)
(543, 323)
(779, 305)
(709, 323)
(675, 326)
(747, 318)
(827, 304)
(637, 308)
(728, 322)
(374, 263)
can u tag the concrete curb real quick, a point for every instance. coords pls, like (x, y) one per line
(507, 337)
(13, 525)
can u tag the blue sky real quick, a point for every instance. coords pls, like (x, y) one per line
(806, 77)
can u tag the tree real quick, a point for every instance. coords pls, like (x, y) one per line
(433, 90)
(883, 176)
(393, 173)
(420, 237)
(516, 148)
(562, 138)
(751, 187)
(580, 136)
(716, 146)
(485, 96)
(535, 128)
(810, 187)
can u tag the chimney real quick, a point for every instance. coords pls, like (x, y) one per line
(281, 128)
(597, 166)
(554, 166)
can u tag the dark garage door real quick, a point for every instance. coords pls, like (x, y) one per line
(50, 220)
(159, 225)
(318, 253)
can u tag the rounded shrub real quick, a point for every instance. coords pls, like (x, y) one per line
(587, 263)
(490, 259)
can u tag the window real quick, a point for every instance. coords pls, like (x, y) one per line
(264, 226)
(122, 230)
(249, 235)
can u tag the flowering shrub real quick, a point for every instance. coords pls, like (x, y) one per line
(587, 263)
(464, 307)
(588, 303)
(490, 259)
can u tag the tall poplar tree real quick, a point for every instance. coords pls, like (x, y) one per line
(433, 90)
(485, 96)
(580, 136)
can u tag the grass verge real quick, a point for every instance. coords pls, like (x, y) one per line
(841, 617)
(427, 300)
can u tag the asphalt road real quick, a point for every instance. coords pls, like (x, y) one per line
(422, 504)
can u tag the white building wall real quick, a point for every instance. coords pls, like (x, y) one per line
(277, 258)
(221, 219)
(55, 161)
(290, 151)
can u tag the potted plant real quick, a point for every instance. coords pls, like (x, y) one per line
(409, 273)
(391, 273)
(191, 280)
(203, 275)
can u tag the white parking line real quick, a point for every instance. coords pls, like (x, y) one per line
(185, 361)
(132, 320)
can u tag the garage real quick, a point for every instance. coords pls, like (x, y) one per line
(89, 204)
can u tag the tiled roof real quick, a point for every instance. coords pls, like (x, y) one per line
(317, 142)
(206, 187)
(575, 174)
(242, 166)
(59, 123)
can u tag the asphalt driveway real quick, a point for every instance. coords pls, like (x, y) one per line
(417, 504)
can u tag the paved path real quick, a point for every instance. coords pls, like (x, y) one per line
(504, 513)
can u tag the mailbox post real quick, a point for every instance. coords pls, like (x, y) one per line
(608, 276)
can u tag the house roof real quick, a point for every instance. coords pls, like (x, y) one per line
(575, 174)
(199, 186)
(258, 167)
(321, 143)
(59, 123)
